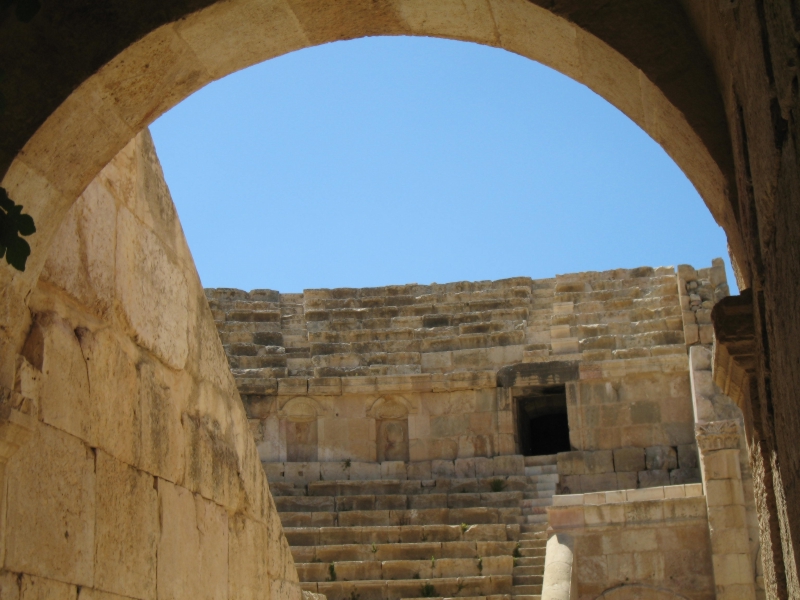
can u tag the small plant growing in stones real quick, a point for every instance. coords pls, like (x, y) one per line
(433, 562)
(332, 572)
(464, 527)
(416, 576)
(427, 591)
(374, 548)
(480, 565)
(516, 553)
(497, 485)
(355, 595)
(346, 464)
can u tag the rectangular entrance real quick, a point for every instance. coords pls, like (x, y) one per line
(542, 425)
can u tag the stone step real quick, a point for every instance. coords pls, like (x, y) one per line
(530, 561)
(542, 477)
(527, 580)
(526, 590)
(525, 596)
(536, 502)
(407, 534)
(528, 570)
(533, 535)
(534, 543)
(401, 551)
(375, 487)
(430, 568)
(532, 552)
(533, 528)
(542, 495)
(397, 502)
(536, 518)
(485, 585)
(445, 516)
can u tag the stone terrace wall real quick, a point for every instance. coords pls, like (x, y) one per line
(139, 477)
(320, 371)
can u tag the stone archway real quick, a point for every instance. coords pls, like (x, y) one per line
(714, 84)
(169, 62)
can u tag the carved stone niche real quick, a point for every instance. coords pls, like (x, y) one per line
(391, 425)
(298, 422)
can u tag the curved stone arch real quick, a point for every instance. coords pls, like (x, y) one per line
(639, 592)
(302, 409)
(390, 407)
(167, 63)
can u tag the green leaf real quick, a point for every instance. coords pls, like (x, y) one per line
(18, 253)
(25, 225)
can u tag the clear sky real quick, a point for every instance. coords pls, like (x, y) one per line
(400, 160)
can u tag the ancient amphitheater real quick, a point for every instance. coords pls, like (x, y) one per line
(428, 440)
(572, 437)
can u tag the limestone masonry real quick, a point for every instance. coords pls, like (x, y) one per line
(428, 440)
(571, 438)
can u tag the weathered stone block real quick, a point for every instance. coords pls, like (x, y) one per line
(661, 457)
(39, 588)
(193, 546)
(393, 470)
(628, 480)
(681, 476)
(50, 509)
(629, 459)
(152, 290)
(645, 412)
(305, 472)
(598, 483)
(571, 463)
(443, 469)
(599, 462)
(509, 465)
(126, 530)
(653, 478)
(484, 467)
(363, 471)
(65, 398)
(419, 470)
(465, 468)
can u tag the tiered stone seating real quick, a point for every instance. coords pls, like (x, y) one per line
(387, 539)
(627, 313)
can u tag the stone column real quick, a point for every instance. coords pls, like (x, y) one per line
(734, 575)
(558, 578)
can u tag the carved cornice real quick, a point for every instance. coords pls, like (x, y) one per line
(717, 435)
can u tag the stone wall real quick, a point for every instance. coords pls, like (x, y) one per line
(414, 375)
(129, 467)
(651, 543)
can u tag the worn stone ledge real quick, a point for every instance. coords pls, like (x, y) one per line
(689, 490)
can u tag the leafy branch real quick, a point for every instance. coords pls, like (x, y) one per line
(13, 224)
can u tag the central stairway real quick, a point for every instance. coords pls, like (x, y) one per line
(482, 539)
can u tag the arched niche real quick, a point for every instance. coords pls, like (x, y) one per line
(299, 429)
(391, 427)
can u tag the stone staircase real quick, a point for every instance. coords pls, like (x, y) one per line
(479, 538)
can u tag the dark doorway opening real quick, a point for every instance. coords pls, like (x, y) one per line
(542, 422)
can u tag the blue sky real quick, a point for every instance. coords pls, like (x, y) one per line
(398, 160)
